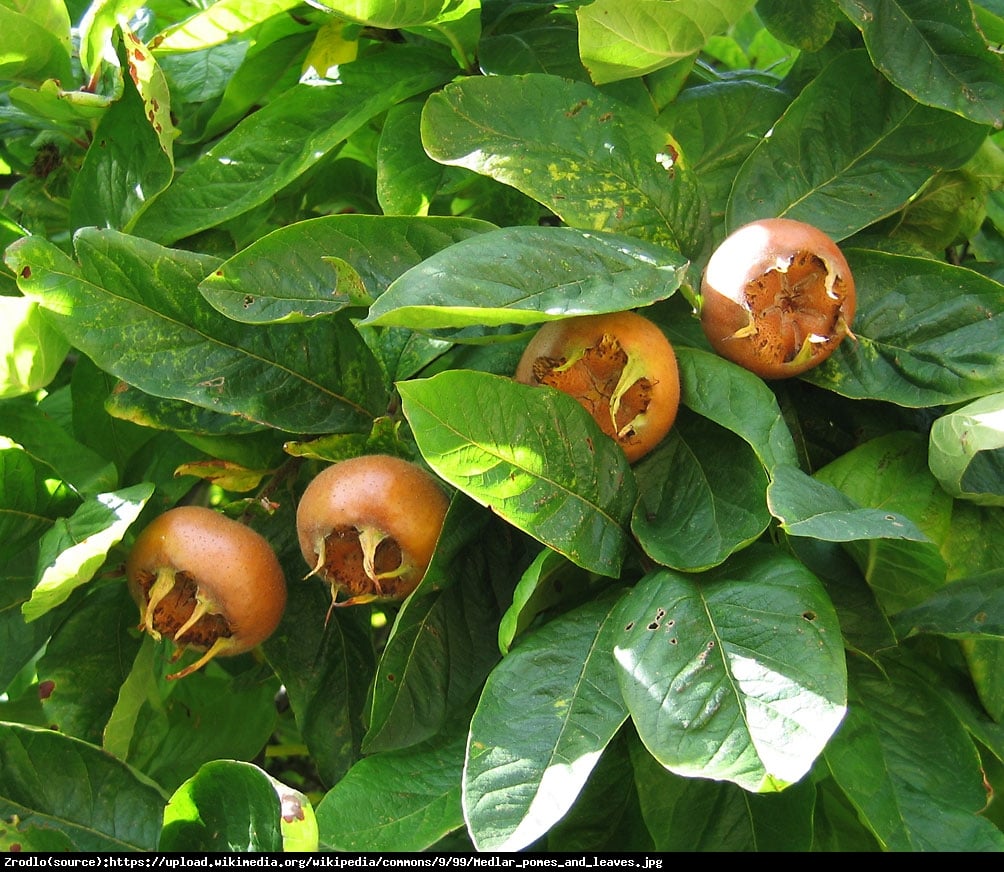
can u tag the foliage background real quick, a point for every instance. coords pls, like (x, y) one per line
(244, 240)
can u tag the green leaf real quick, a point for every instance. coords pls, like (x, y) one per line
(737, 674)
(592, 160)
(397, 800)
(969, 608)
(693, 511)
(908, 766)
(227, 806)
(532, 455)
(926, 334)
(830, 145)
(97, 802)
(933, 50)
(31, 350)
(890, 474)
(76, 547)
(219, 22)
(807, 25)
(132, 306)
(523, 774)
(131, 157)
(85, 661)
(442, 644)
(737, 400)
(288, 275)
(327, 667)
(526, 275)
(277, 144)
(966, 451)
(36, 42)
(697, 814)
(620, 39)
(407, 178)
(807, 506)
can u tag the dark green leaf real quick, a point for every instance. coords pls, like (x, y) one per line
(737, 674)
(97, 802)
(693, 511)
(807, 25)
(133, 307)
(830, 146)
(277, 144)
(806, 506)
(526, 275)
(532, 455)
(227, 806)
(737, 400)
(288, 275)
(927, 333)
(396, 801)
(908, 766)
(971, 607)
(523, 773)
(933, 50)
(890, 474)
(698, 814)
(595, 162)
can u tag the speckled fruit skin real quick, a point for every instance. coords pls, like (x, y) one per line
(634, 402)
(208, 562)
(376, 505)
(777, 297)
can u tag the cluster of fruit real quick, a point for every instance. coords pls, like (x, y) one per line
(777, 297)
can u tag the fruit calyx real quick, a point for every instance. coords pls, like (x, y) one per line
(606, 380)
(177, 608)
(795, 308)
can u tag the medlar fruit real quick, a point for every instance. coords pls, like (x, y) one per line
(368, 526)
(207, 582)
(619, 366)
(777, 297)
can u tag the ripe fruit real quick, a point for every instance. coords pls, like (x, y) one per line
(369, 525)
(777, 297)
(206, 582)
(619, 366)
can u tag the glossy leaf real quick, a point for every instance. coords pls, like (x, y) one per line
(806, 506)
(396, 801)
(227, 806)
(933, 50)
(97, 802)
(625, 38)
(885, 145)
(532, 455)
(908, 766)
(260, 157)
(926, 334)
(522, 775)
(31, 351)
(698, 814)
(442, 645)
(966, 451)
(692, 511)
(76, 547)
(890, 473)
(737, 675)
(133, 307)
(737, 400)
(526, 275)
(217, 23)
(968, 608)
(288, 275)
(589, 158)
